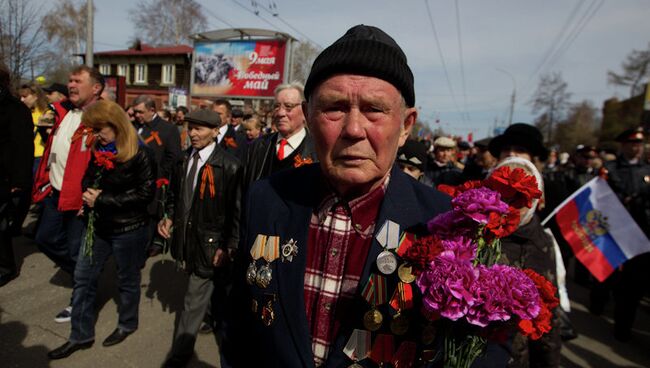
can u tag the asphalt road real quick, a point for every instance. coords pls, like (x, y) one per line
(28, 331)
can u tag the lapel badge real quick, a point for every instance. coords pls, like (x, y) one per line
(289, 250)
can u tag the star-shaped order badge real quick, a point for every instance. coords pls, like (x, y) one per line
(289, 250)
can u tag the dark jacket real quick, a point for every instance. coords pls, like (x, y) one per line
(126, 191)
(260, 155)
(16, 145)
(209, 222)
(166, 149)
(631, 183)
(282, 205)
(449, 174)
(233, 142)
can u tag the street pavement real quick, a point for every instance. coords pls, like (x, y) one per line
(28, 331)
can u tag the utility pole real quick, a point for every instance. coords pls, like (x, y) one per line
(512, 97)
(89, 34)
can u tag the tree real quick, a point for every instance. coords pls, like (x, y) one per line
(65, 27)
(636, 68)
(22, 42)
(551, 99)
(579, 127)
(164, 22)
(304, 53)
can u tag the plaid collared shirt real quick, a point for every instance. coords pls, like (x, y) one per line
(340, 234)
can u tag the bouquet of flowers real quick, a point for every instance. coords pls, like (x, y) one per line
(105, 161)
(458, 274)
(163, 185)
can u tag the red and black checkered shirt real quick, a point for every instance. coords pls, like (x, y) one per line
(340, 234)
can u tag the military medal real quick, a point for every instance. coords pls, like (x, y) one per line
(405, 273)
(270, 252)
(388, 237)
(251, 273)
(257, 250)
(401, 301)
(382, 349)
(268, 315)
(405, 355)
(428, 334)
(289, 250)
(375, 293)
(357, 347)
(372, 319)
(386, 262)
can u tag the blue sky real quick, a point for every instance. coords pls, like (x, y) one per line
(495, 36)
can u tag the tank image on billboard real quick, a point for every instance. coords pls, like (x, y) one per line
(238, 68)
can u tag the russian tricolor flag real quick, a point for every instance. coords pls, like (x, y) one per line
(599, 229)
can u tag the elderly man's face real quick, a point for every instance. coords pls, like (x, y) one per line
(143, 114)
(82, 89)
(287, 112)
(444, 154)
(358, 123)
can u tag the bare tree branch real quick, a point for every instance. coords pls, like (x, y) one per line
(160, 22)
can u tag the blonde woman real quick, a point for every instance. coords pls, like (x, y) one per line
(118, 197)
(42, 116)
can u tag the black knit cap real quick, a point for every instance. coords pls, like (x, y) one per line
(364, 50)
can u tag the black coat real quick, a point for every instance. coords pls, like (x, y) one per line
(167, 151)
(209, 222)
(16, 145)
(126, 191)
(282, 206)
(261, 152)
(631, 183)
(233, 142)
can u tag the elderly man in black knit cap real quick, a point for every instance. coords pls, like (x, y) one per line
(310, 239)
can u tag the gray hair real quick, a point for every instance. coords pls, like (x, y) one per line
(148, 101)
(293, 85)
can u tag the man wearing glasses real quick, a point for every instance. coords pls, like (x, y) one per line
(291, 146)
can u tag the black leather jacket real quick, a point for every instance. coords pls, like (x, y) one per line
(126, 191)
(210, 222)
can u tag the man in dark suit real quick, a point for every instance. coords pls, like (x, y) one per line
(204, 210)
(16, 161)
(291, 146)
(309, 236)
(164, 139)
(228, 138)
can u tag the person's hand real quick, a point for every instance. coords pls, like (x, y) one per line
(220, 257)
(164, 228)
(90, 195)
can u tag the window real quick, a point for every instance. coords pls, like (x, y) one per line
(123, 71)
(168, 74)
(105, 69)
(140, 74)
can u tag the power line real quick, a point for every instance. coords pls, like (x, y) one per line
(462, 63)
(555, 42)
(582, 24)
(257, 14)
(272, 9)
(212, 14)
(442, 59)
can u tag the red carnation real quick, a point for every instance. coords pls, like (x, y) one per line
(537, 327)
(162, 181)
(422, 252)
(503, 225)
(454, 191)
(517, 188)
(105, 159)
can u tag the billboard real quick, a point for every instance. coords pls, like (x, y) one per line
(238, 68)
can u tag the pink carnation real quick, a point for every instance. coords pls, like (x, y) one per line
(446, 286)
(478, 203)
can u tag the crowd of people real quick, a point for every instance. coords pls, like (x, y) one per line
(274, 220)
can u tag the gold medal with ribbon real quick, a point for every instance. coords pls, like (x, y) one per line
(401, 301)
(375, 293)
